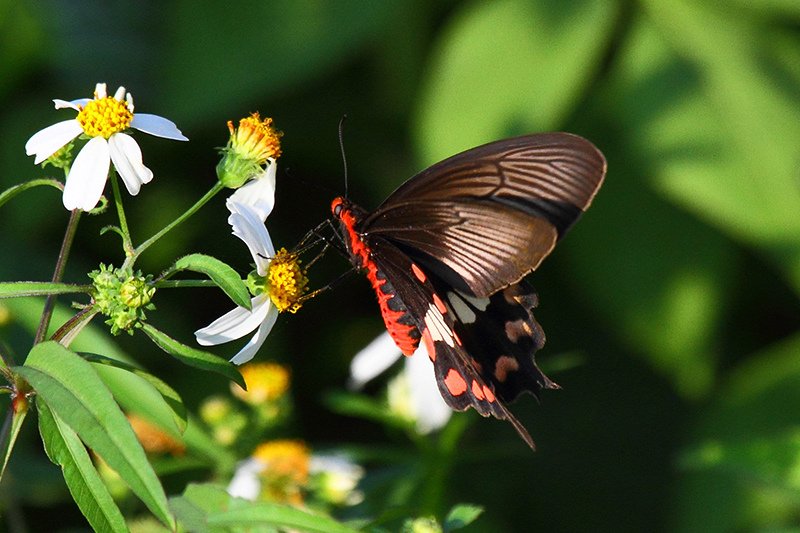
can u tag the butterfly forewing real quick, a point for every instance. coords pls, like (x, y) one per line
(491, 214)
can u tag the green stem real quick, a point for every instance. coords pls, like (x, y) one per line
(61, 263)
(11, 192)
(183, 283)
(169, 227)
(127, 244)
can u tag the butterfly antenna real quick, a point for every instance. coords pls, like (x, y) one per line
(341, 147)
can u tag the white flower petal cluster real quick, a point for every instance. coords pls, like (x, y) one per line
(420, 391)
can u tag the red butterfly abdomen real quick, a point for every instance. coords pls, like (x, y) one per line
(399, 322)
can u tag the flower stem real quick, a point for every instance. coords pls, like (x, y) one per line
(127, 244)
(189, 212)
(61, 263)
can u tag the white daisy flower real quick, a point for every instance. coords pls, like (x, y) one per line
(415, 393)
(277, 285)
(104, 119)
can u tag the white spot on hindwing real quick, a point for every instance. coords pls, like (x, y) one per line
(437, 327)
(459, 302)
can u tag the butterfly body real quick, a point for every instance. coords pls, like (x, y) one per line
(447, 251)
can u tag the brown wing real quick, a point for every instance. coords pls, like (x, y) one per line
(484, 218)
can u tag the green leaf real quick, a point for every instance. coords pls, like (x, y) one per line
(220, 273)
(142, 393)
(739, 470)
(362, 406)
(17, 289)
(206, 507)
(65, 449)
(275, 515)
(665, 307)
(461, 515)
(193, 357)
(731, 145)
(509, 67)
(76, 394)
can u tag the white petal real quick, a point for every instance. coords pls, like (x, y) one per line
(250, 349)
(100, 91)
(248, 227)
(46, 142)
(430, 410)
(87, 177)
(235, 324)
(258, 193)
(120, 94)
(375, 358)
(245, 482)
(72, 104)
(127, 158)
(157, 126)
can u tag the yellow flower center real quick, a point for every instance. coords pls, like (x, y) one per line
(265, 382)
(103, 117)
(255, 139)
(286, 281)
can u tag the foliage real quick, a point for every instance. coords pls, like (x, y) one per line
(671, 309)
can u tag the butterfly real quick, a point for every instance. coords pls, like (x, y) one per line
(446, 254)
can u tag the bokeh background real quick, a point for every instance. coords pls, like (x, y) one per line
(671, 309)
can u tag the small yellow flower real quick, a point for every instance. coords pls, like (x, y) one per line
(266, 382)
(153, 438)
(286, 281)
(285, 475)
(255, 139)
(252, 145)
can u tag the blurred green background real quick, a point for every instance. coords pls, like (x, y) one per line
(671, 310)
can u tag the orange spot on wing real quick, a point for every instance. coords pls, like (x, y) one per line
(477, 391)
(439, 304)
(456, 338)
(455, 382)
(488, 393)
(418, 273)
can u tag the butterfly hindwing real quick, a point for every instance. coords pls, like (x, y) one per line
(482, 348)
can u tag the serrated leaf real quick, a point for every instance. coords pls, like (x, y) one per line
(65, 449)
(509, 67)
(19, 289)
(225, 277)
(461, 515)
(142, 393)
(194, 357)
(77, 395)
